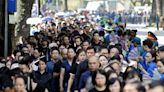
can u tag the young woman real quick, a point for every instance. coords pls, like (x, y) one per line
(65, 70)
(99, 80)
(160, 66)
(103, 62)
(114, 85)
(81, 56)
(147, 67)
(20, 84)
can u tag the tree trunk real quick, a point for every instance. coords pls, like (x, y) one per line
(23, 12)
(2, 9)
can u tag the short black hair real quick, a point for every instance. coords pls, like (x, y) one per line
(161, 48)
(89, 48)
(148, 42)
(100, 71)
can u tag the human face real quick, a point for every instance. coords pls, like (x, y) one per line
(160, 67)
(85, 45)
(42, 65)
(64, 53)
(100, 80)
(105, 52)
(36, 53)
(20, 85)
(148, 57)
(103, 61)
(90, 53)
(78, 41)
(116, 67)
(25, 50)
(113, 52)
(96, 37)
(161, 54)
(82, 56)
(115, 87)
(24, 68)
(71, 53)
(66, 40)
(93, 63)
(130, 88)
(54, 54)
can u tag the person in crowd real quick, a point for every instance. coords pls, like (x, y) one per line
(149, 65)
(65, 69)
(85, 83)
(99, 80)
(80, 57)
(160, 66)
(104, 63)
(161, 52)
(83, 66)
(134, 86)
(42, 77)
(20, 84)
(53, 67)
(85, 44)
(114, 85)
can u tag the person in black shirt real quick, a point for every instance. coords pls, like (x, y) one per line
(99, 80)
(41, 77)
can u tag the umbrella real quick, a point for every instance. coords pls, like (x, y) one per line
(33, 20)
(47, 19)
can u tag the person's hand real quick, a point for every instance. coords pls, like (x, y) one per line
(156, 75)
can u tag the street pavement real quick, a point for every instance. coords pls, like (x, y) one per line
(143, 30)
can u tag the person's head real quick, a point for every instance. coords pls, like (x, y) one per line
(161, 52)
(71, 53)
(115, 63)
(134, 86)
(78, 40)
(99, 78)
(36, 53)
(103, 60)
(61, 47)
(104, 51)
(17, 53)
(131, 73)
(112, 74)
(150, 56)
(160, 65)
(114, 85)
(65, 40)
(96, 36)
(156, 86)
(24, 63)
(81, 55)
(54, 53)
(86, 44)
(25, 49)
(42, 64)
(64, 53)
(136, 41)
(90, 51)
(147, 45)
(20, 84)
(113, 51)
(93, 63)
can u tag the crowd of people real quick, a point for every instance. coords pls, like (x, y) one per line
(80, 54)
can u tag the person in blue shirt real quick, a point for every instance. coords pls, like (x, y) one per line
(86, 77)
(53, 67)
(160, 67)
(149, 64)
(65, 70)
